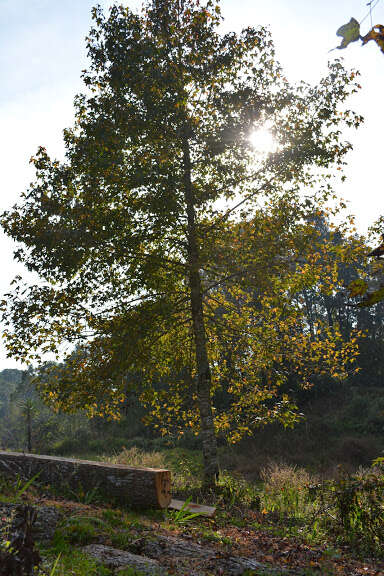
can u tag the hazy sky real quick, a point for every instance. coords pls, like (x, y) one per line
(42, 53)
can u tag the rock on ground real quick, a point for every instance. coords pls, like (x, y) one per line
(43, 528)
(113, 558)
(194, 559)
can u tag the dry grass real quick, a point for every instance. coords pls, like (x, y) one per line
(278, 477)
(286, 490)
(136, 457)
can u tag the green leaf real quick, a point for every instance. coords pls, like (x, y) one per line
(55, 565)
(372, 298)
(349, 33)
(357, 287)
(25, 487)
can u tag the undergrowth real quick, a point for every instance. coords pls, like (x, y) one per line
(287, 501)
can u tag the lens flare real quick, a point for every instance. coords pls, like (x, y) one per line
(262, 141)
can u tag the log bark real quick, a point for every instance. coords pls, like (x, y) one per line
(135, 487)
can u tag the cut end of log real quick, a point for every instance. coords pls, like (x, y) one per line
(163, 488)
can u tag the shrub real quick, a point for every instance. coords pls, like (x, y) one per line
(287, 490)
(277, 477)
(358, 501)
(68, 446)
(235, 491)
(186, 467)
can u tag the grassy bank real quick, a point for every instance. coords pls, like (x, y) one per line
(289, 518)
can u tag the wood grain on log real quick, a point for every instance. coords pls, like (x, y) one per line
(137, 487)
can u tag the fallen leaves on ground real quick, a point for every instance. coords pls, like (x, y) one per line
(249, 542)
(290, 552)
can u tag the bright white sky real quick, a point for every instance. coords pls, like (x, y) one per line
(42, 53)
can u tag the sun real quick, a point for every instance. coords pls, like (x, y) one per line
(262, 141)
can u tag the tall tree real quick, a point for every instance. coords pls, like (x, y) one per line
(158, 158)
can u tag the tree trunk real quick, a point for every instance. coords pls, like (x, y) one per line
(29, 427)
(211, 467)
(309, 316)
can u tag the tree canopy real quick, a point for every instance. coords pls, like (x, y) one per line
(136, 233)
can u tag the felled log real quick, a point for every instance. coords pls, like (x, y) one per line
(136, 487)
